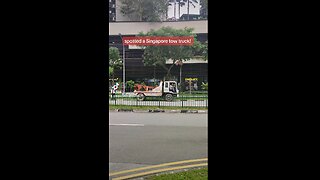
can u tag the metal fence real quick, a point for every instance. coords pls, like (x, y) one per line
(180, 101)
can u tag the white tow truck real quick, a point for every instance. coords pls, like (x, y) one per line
(166, 89)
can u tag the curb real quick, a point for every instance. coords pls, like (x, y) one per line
(162, 111)
(165, 168)
(155, 110)
(124, 110)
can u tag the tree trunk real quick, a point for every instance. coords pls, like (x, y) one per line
(188, 10)
(166, 13)
(140, 11)
(174, 11)
(168, 73)
(140, 16)
(112, 76)
(179, 10)
(112, 79)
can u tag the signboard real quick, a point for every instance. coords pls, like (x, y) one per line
(158, 40)
(191, 79)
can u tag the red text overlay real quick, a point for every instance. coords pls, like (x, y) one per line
(159, 41)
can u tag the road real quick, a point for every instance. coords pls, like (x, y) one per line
(144, 139)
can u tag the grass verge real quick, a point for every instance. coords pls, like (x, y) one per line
(197, 174)
(114, 107)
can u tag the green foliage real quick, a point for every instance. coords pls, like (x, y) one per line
(114, 58)
(204, 4)
(130, 85)
(114, 61)
(158, 55)
(204, 86)
(199, 174)
(205, 51)
(111, 71)
(204, 9)
(144, 10)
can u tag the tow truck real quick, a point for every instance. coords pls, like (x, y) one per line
(166, 89)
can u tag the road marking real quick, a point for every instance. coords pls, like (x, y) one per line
(160, 170)
(126, 124)
(156, 166)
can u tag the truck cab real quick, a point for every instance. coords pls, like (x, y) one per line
(170, 87)
(170, 90)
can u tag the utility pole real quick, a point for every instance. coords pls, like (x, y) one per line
(124, 67)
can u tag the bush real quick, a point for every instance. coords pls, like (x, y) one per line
(130, 85)
(204, 86)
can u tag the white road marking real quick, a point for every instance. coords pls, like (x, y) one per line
(126, 124)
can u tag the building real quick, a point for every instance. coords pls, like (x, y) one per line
(173, 11)
(188, 17)
(197, 69)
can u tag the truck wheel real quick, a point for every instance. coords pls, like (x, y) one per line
(169, 97)
(141, 97)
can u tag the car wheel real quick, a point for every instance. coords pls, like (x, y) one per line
(169, 97)
(141, 97)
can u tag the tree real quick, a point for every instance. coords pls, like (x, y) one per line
(130, 85)
(159, 55)
(111, 71)
(205, 51)
(204, 8)
(114, 61)
(144, 10)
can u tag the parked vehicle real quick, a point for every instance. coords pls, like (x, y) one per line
(167, 89)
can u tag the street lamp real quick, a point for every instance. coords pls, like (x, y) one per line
(124, 67)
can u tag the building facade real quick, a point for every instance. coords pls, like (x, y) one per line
(174, 11)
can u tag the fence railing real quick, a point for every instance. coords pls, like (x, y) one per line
(180, 101)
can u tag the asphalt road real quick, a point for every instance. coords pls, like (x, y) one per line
(143, 139)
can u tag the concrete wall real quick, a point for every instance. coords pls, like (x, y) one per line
(133, 28)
